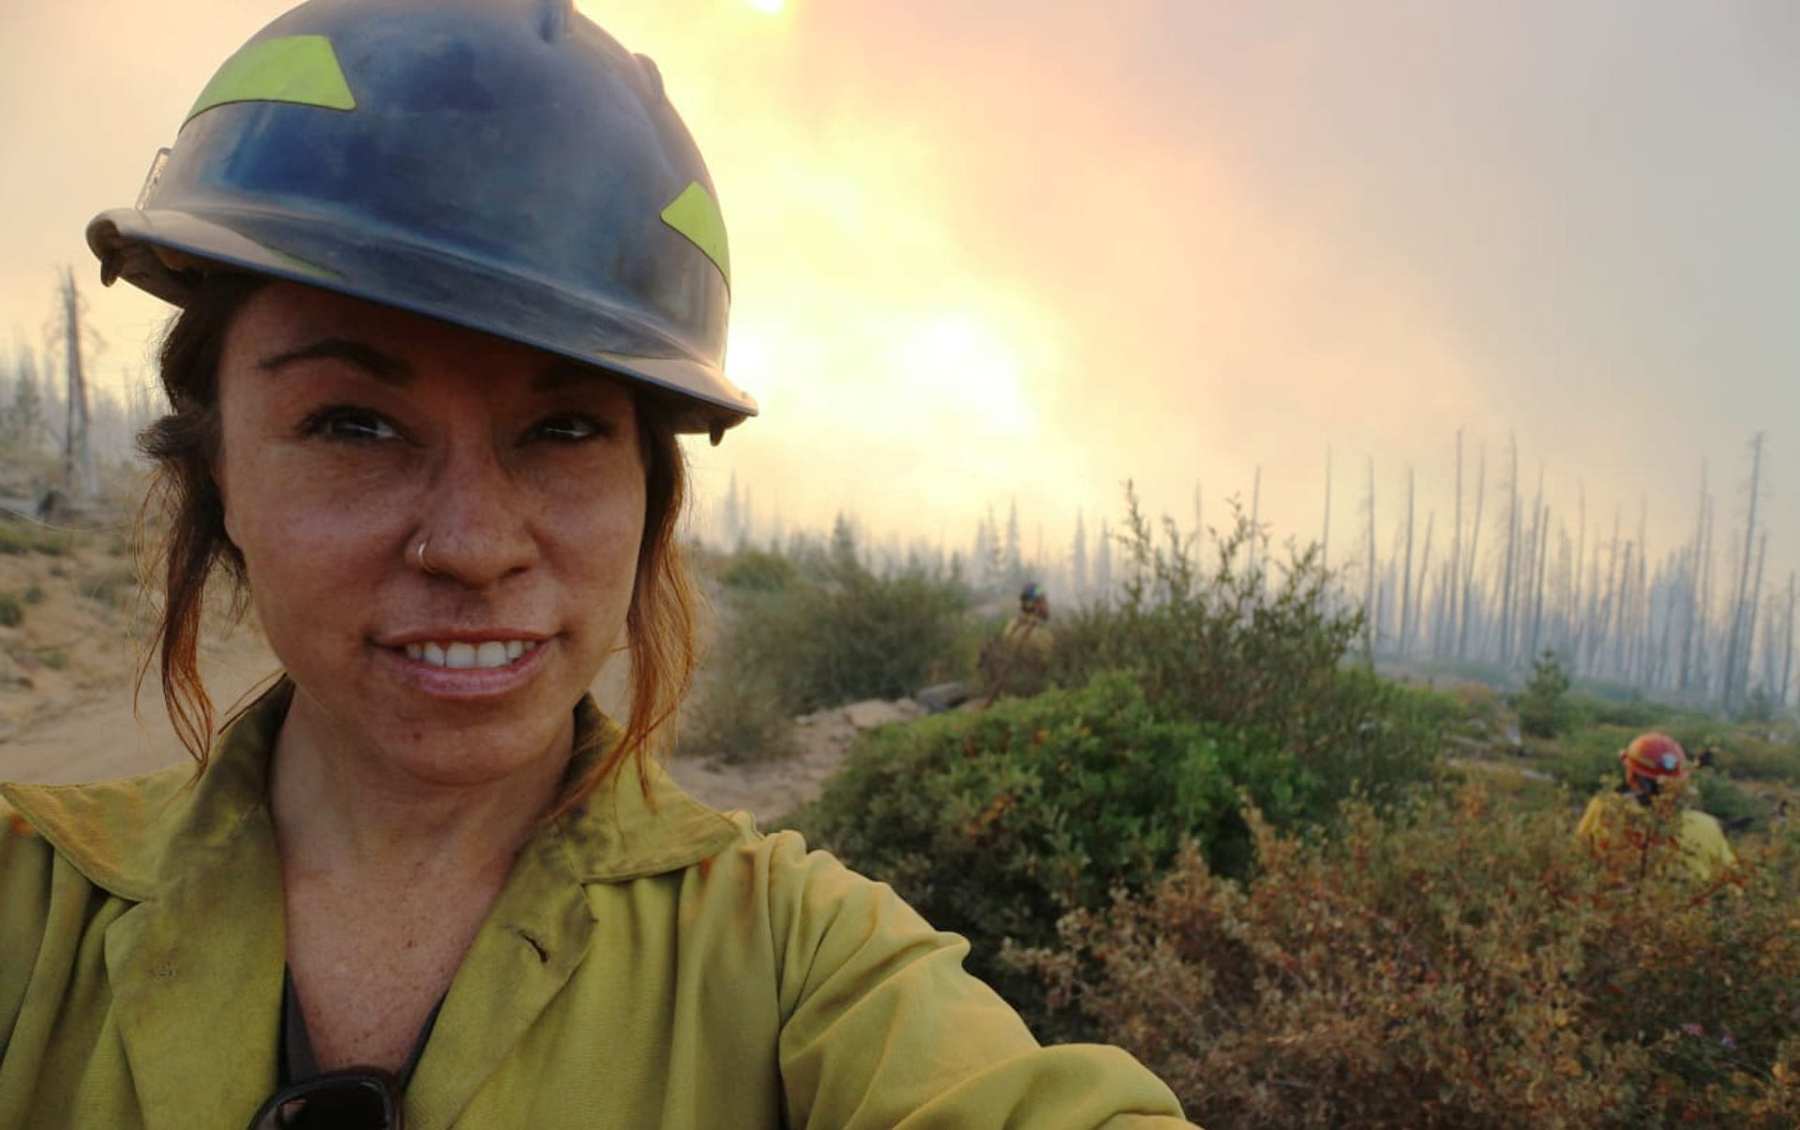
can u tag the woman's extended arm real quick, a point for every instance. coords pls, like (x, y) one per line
(882, 1026)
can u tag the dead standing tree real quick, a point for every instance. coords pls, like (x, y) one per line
(1456, 538)
(1732, 691)
(1693, 611)
(1406, 580)
(1467, 580)
(1369, 588)
(1787, 664)
(78, 456)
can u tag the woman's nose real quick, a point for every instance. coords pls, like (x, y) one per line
(476, 521)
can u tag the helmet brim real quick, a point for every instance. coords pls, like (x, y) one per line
(166, 253)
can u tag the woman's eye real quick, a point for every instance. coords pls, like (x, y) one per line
(355, 424)
(569, 429)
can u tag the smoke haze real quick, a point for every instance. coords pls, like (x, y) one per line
(996, 249)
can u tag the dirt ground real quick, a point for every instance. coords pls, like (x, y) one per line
(66, 671)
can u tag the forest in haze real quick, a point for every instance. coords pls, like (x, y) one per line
(1483, 594)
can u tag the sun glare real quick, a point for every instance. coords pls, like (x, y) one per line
(956, 360)
(770, 7)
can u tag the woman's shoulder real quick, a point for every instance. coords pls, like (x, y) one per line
(723, 860)
(781, 861)
(112, 832)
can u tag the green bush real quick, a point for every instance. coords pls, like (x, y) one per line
(834, 632)
(1544, 708)
(19, 538)
(813, 629)
(737, 713)
(1748, 757)
(1466, 965)
(12, 611)
(1260, 657)
(34, 594)
(994, 824)
(1637, 713)
(753, 570)
(1588, 759)
(1720, 796)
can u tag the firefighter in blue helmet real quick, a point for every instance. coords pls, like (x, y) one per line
(1017, 661)
(453, 277)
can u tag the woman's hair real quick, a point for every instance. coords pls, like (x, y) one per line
(659, 624)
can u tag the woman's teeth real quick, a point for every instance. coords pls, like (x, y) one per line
(492, 653)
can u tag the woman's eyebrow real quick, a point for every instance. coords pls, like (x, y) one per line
(377, 364)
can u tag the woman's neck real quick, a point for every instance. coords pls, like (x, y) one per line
(347, 812)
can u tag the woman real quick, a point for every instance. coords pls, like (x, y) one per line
(452, 281)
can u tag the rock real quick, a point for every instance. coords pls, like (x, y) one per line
(940, 697)
(875, 712)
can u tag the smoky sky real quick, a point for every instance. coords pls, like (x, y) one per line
(990, 249)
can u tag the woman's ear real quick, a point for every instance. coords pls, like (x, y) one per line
(215, 473)
(224, 507)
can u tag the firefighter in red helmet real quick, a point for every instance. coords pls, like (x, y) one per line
(1655, 767)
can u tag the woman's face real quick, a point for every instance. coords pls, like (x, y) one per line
(351, 434)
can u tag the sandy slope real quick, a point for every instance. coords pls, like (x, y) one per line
(92, 734)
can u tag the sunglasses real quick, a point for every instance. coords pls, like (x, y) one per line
(356, 1099)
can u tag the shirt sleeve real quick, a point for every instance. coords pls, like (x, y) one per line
(882, 1026)
(1589, 827)
(1705, 839)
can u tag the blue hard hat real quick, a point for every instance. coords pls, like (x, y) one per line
(503, 165)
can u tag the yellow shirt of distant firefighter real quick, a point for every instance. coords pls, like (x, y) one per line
(1698, 837)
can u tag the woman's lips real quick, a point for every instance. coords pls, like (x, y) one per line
(465, 668)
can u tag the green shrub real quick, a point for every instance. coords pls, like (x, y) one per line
(738, 714)
(1466, 965)
(12, 611)
(756, 571)
(1588, 759)
(812, 629)
(1259, 657)
(1748, 757)
(996, 823)
(19, 538)
(55, 658)
(1720, 796)
(834, 632)
(1544, 708)
(34, 594)
(1590, 755)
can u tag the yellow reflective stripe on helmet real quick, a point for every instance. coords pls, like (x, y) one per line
(302, 69)
(695, 214)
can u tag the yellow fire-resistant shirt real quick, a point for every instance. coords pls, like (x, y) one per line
(647, 965)
(1030, 635)
(1615, 819)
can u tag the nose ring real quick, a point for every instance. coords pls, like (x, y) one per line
(425, 566)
